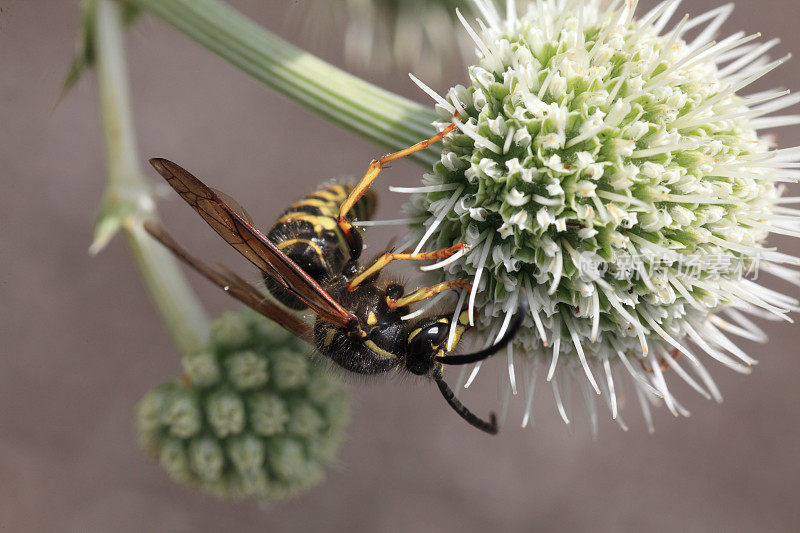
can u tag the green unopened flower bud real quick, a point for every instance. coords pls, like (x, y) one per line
(182, 414)
(230, 332)
(247, 370)
(268, 413)
(251, 418)
(225, 413)
(288, 371)
(247, 454)
(305, 419)
(287, 459)
(173, 459)
(206, 458)
(202, 368)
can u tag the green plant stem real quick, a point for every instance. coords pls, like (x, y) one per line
(374, 113)
(128, 202)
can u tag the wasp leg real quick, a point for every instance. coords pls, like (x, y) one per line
(375, 168)
(388, 257)
(426, 292)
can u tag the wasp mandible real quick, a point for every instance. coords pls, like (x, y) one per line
(310, 260)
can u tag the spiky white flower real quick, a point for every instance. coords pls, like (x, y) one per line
(608, 168)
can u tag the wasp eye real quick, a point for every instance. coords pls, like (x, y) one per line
(423, 346)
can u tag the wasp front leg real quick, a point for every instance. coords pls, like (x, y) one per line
(426, 292)
(375, 168)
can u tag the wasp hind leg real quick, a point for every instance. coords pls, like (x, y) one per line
(375, 168)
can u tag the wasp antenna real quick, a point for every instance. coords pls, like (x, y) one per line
(489, 427)
(491, 350)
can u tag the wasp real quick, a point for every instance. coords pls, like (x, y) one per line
(310, 261)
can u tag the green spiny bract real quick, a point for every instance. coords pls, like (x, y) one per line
(608, 169)
(253, 416)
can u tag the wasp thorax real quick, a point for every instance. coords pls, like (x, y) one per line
(379, 346)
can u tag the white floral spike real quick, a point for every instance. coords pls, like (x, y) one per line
(462, 378)
(718, 17)
(701, 371)
(775, 122)
(556, 350)
(673, 363)
(559, 402)
(512, 377)
(581, 355)
(426, 189)
(750, 329)
(665, 16)
(530, 387)
(591, 408)
(477, 367)
(746, 59)
(489, 11)
(658, 381)
(716, 354)
(477, 280)
(617, 217)
(394, 222)
(648, 416)
(512, 308)
(474, 36)
(506, 395)
(438, 219)
(511, 13)
(473, 374)
(433, 94)
(532, 307)
(611, 391)
(637, 376)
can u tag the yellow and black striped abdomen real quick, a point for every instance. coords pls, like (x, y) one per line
(308, 233)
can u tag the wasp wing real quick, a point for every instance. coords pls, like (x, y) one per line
(233, 285)
(251, 243)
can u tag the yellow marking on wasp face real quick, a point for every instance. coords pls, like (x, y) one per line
(414, 334)
(329, 337)
(312, 244)
(378, 350)
(463, 318)
(372, 319)
(443, 321)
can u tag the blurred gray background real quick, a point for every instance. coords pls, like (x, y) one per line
(81, 342)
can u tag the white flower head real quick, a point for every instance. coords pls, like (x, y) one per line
(619, 184)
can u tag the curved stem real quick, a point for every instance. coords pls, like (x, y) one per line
(128, 201)
(374, 113)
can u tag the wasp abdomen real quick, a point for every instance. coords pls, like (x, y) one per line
(309, 234)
